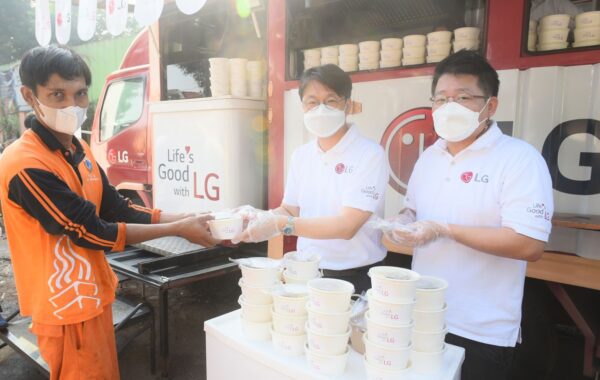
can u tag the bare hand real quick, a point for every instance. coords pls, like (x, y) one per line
(195, 229)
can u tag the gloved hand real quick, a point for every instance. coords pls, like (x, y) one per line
(405, 216)
(418, 233)
(247, 212)
(261, 226)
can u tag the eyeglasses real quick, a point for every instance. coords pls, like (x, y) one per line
(331, 103)
(462, 99)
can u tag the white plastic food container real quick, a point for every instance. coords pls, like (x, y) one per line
(439, 49)
(428, 341)
(329, 52)
(256, 294)
(553, 35)
(226, 228)
(368, 66)
(289, 279)
(292, 345)
(327, 322)
(329, 61)
(391, 44)
(558, 21)
(552, 46)
(388, 64)
(332, 365)
(369, 46)
(312, 55)
(591, 33)
(217, 61)
(388, 335)
(429, 320)
(394, 55)
(466, 33)
(254, 312)
(368, 58)
(431, 293)
(259, 331)
(440, 37)
(348, 49)
(393, 313)
(330, 295)
(465, 45)
(328, 343)
(385, 357)
(414, 40)
(265, 272)
(392, 283)
(289, 324)
(586, 43)
(586, 19)
(302, 264)
(290, 299)
(349, 68)
(348, 60)
(435, 58)
(427, 362)
(377, 373)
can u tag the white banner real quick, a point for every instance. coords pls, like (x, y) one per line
(86, 20)
(147, 11)
(190, 6)
(62, 21)
(43, 29)
(116, 16)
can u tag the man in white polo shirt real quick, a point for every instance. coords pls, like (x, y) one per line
(335, 184)
(482, 205)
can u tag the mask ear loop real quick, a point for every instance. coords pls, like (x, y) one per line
(486, 120)
(38, 106)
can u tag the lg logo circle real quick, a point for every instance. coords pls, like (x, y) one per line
(407, 136)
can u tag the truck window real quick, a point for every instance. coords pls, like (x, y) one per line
(123, 105)
(316, 24)
(561, 25)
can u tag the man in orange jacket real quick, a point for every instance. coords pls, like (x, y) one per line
(61, 215)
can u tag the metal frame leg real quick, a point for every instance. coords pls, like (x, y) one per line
(590, 349)
(163, 320)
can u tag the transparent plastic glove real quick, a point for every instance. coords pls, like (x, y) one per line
(263, 226)
(418, 233)
(247, 212)
(405, 216)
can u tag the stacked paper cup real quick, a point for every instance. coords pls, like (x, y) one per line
(312, 58)
(289, 318)
(329, 55)
(328, 327)
(413, 52)
(259, 275)
(553, 32)
(368, 55)
(466, 38)
(348, 58)
(219, 76)
(587, 29)
(301, 267)
(391, 52)
(237, 76)
(254, 74)
(389, 321)
(532, 35)
(438, 45)
(429, 325)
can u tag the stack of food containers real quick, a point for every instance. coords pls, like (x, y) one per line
(389, 321)
(438, 45)
(553, 32)
(312, 58)
(289, 318)
(429, 329)
(219, 76)
(587, 29)
(413, 52)
(328, 325)
(348, 58)
(329, 55)
(391, 52)
(259, 275)
(369, 55)
(301, 267)
(237, 76)
(532, 35)
(466, 38)
(254, 75)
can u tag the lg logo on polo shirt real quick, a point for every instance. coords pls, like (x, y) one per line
(341, 168)
(407, 136)
(574, 139)
(466, 177)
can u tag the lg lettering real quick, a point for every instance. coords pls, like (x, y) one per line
(552, 151)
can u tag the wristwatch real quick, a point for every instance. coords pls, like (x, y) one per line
(289, 229)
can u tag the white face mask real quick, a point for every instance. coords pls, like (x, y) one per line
(323, 121)
(64, 120)
(454, 122)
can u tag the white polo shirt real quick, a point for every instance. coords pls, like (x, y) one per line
(353, 173)
(497, 181)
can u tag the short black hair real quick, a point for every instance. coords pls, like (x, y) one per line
(465, 62)
(329, 75)
(39, 63)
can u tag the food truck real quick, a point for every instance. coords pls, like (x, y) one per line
(165, 140)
